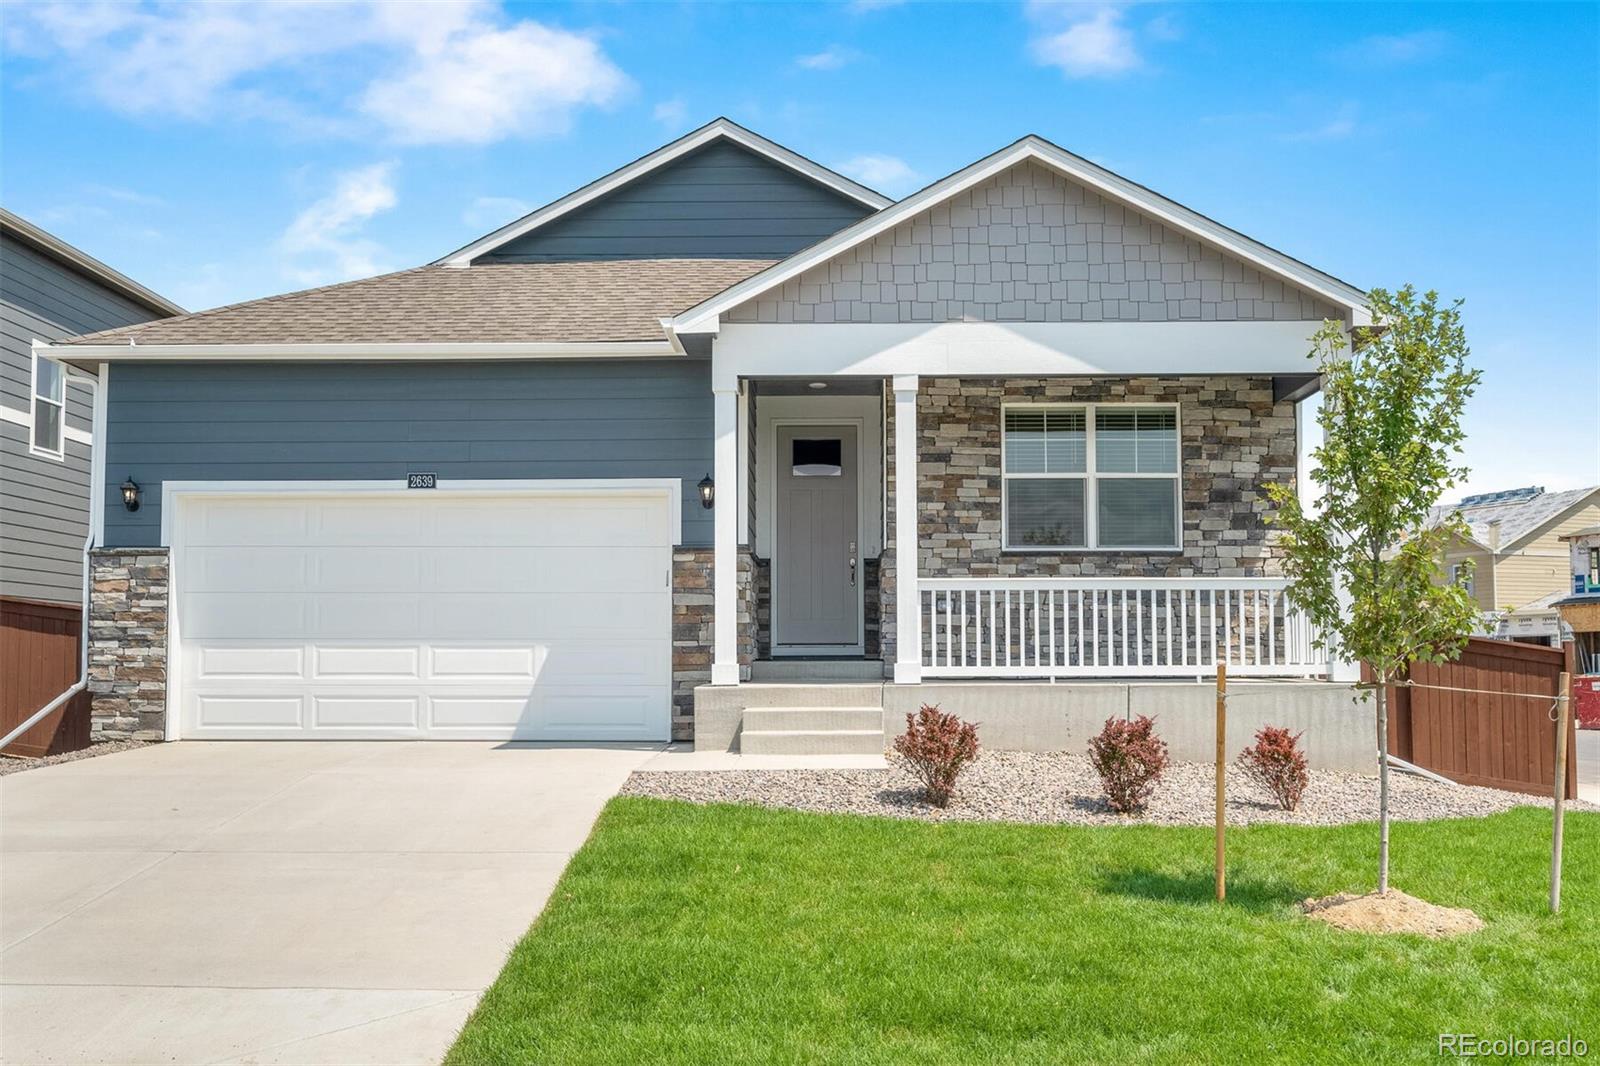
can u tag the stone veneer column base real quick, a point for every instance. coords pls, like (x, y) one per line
(128, 644)
(692, 630)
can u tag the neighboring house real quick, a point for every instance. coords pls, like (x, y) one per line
(1580, 604)
(1518, 562)
(48, 290)
(721, 415)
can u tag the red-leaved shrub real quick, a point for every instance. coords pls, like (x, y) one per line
(1276, 763)
(938, 746)
(1129, 758)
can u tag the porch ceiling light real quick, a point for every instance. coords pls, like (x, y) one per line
(708, 492)
(130, 494)
(818, 385)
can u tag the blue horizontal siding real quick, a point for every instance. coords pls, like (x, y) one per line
(722, 201)
(354, 421)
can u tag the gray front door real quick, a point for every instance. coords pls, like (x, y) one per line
(816, 565)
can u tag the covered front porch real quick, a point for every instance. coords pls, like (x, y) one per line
(1057, 528)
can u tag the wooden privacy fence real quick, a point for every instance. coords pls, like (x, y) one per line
(39, 661)
(1485, 719)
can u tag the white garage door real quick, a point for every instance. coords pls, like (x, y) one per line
(542, 616)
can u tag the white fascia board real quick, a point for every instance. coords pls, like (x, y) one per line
(357, 352)
(1009, 349)
(717, 130)
(703, 316)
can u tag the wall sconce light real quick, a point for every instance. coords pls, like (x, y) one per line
(130, 494)
(708, 492)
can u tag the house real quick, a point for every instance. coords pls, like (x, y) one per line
(1518, 562)
(48, 290)
(716, 440)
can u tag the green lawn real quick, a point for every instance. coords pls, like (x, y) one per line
(733, 934)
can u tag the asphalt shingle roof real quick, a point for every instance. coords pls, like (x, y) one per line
(609, 300)
(1518, 516)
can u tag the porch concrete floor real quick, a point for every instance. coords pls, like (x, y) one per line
(323, 902)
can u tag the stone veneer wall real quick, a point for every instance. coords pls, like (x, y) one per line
(128, 644)
(1233, 440)
(693, 628)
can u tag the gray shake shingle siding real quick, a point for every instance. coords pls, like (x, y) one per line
(44, 502)
(722, 201)
(615, 418)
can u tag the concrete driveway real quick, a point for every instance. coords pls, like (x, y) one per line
(330, 902)
(1589, 765)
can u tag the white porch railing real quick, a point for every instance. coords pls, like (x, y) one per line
(1113, 627)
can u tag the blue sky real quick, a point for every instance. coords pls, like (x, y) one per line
(224, 152)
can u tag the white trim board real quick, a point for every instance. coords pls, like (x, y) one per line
(704, 317)
(1010, 349)
(717, 129)
(358, 352)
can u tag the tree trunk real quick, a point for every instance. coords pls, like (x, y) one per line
(1383, 786)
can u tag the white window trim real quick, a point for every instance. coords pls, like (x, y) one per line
(59, 453)
(1470, 584)
(1091, 477)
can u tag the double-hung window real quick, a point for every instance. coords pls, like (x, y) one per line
(1091, 476)
(49, 407)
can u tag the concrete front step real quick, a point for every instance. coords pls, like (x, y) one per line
(812, 742)
(779, 719)
(816, 670)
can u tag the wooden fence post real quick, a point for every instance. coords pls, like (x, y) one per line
(1563, 715)
(1222, 776)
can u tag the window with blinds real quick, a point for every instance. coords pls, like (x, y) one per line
(1091, 476)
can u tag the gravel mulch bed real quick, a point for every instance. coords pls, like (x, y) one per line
(1062, 788)
(9, 765)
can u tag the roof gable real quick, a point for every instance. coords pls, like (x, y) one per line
(1518, 517)
(1112, 187)
(1031, 245)
(732, 148)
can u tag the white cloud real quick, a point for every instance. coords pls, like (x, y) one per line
(1394, 48)
(830, 58)
(883, 172)
(1095, 42)
(325, 242)
(671, 113)
(1342, 124)
(491, 212)
(426, 71)
(482, 84)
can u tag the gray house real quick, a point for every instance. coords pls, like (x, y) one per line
(48, 290)
(725, 446)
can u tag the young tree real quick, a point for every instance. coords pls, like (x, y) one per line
(1365, 564)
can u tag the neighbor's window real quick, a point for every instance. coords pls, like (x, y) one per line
(1460, 576)
(49, 406)
(1594, 568)
(1091, 476)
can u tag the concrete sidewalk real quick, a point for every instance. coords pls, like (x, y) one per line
(1589, 765)
(327, 902)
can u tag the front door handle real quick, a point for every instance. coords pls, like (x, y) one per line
(852, 564)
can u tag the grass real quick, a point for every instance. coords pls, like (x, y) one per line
(684, 934)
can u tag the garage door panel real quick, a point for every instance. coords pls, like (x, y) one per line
(434, 615)
(553, 522)
(583, 570)
(247, 523)
(226, 713)
(367, 712)
(336, 663)
(225, 661)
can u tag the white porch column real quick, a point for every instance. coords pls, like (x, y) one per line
(907, 596)
(725, 538)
